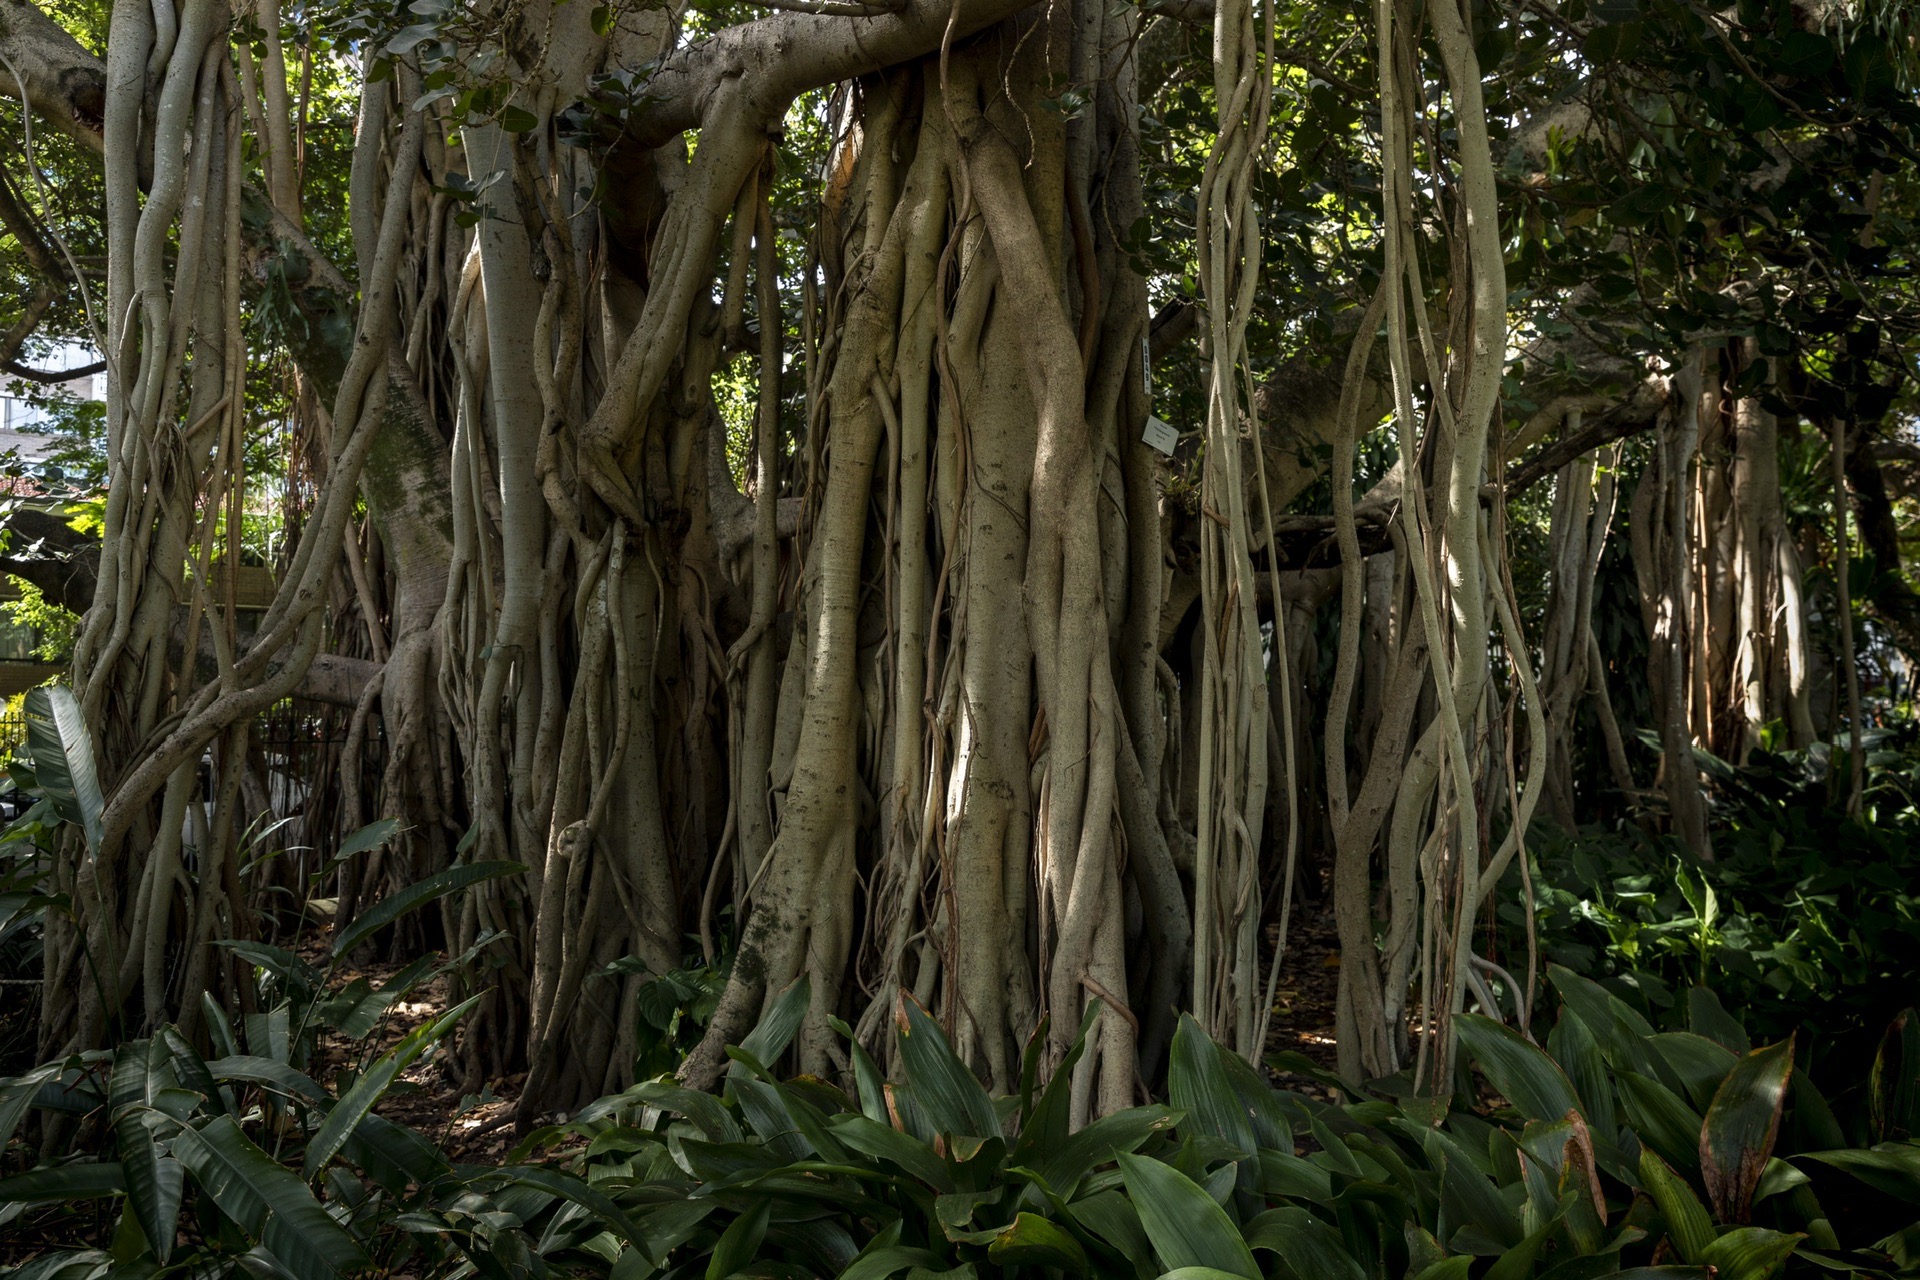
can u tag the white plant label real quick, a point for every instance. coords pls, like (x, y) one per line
(1160, 436)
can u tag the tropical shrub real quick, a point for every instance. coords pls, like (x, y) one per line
(1808, 921)
(1612, 1151)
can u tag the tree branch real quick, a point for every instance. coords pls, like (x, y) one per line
(52, 377)
(65, 84)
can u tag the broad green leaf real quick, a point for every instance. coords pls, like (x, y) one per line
(1033, 1241)
(946, 1090)
(740, 1241)
(1661, 1119)
(1572, 1045)
(1196, 1273)
(394, 1155)
(1310, 1246)
(142, 1071)
(770, 1039)
(1688, 1225)
(63, 762)
(373, 1083)
(63, 1182)
(1466, 1195)
(1706, 1016)
(355, 1011)
(1185, 1225)
(371, 836)
(913, 1156)
(1522, 1072)
(219, 1027)
(1892, 1167)
(1284, 1174)
(1893, 1090)
(703, 1109)
(889, 1260)
(1617, 1027)
(1749, 1253)
(1044, 1127)
(17, 1095)
(1110, 1217)
(84, 1264)
(277, 1077)
(268, 1202)
(1124, 1131)
(1779, 1178)
(1197, 1084)
(1517, 1262)
(414, 896)
(278, 961)
(1741, 1126)
(1701, 1064)
(565, 1186)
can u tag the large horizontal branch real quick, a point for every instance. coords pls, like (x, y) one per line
(65, 85)
(784, 55)
(51, 377)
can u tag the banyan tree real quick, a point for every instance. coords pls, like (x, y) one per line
(978, 499)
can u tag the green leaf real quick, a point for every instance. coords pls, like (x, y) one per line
(740, 1241)
(1741, 1126)
(371, 836)
(1522, 1072)
(1893, 1089)
(1661, 1119)
(1310, 1246)
(17, 1095)
(415, 896)
(265, 1072)
(268, 1202)
(394, 1155)
(1033, 1241)
(63, 1182)
(1198, 1085)
(770, 1039)
(1099, 1143)
(1045, 1125)
(1749, 1253)
(602, 19)
(519, 120)
(1187, 1227)
(1700, 1064)
(1892, 1167)
(888, 1260)
(913, 1156)
(373, 1083)
(192, 1070)
(946, 1090)
(1517, 1262)
(1688, 1225)
(63, 763)
(141, 1073)
(1706, 1016)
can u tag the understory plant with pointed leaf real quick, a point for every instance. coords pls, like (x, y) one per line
(1608, 1152)
(241, 1159)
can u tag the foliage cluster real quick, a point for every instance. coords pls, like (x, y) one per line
(1612, 1152)
(1807, 921)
